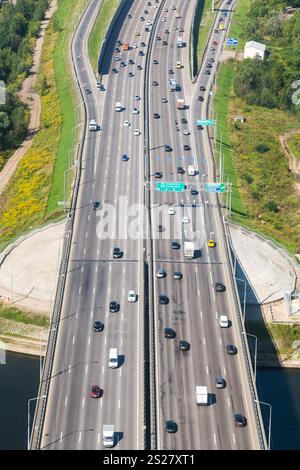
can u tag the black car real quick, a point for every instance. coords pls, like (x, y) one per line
(200, 98)
(114, 306)
(231, 349)
(154, 83)
(131, 61)
(183, 121)
(130, 74)
(211, 60)
(175, 245)
(160, 228)
(186, 147)
(163, 299)
(129, 15)
(207, 72)
(155, 62)
(220, 287)
(171, 71)
(194, 192)
(180, 170)
(158, 174)
(143, 44)
(114, 70)
(117, 253)
(98, 326)
(171, 426)
(165, 43)
(156, 115)
(158, 38)
(167, 31)
(168, 148)
(139, 67)
(199, 127)
(202, 88)
(96, 205)
(240, 421)
(209, 66)
(87, 91)
(184, 345)
(141, 53)
(147, 30)
(216, 31)
(169, 333)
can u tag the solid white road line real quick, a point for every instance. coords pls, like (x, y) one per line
(61, 435)
(66, 400)
(228, 402)
(105, 339)
(215, 440)
(96, 269)
(73, 339)
(83, 402)
(233, 438)
(76, 316)
(224, 370)
(79, 289)
(82, 269)
(207, 370)
(220, 341)
(89, 340)
(79, 439)
(92, 314)
(86, 368)
(203, 340)
(102, 369)
(201, 314)
(69, 368)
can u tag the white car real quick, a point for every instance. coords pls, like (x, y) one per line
(166, 10)
(149, 23)
(223, 321)
(171, 211)
(117, 58)
(185, 219)
(126, 123)
(131, 296)
(134, 46)
(137, 97)
(186, 132)
(136, 132)
(135, 111)
(163, 20)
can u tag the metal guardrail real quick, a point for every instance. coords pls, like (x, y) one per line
(149, 246)
(36, 435)
(244, 342)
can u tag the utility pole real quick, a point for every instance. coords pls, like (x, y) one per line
(212, 6)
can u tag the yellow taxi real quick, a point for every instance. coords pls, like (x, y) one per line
(211, 243)
(137, 34)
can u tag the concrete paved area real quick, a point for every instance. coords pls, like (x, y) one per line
(270, 273)
(28, 274)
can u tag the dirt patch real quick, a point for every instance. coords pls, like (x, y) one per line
(29, 96)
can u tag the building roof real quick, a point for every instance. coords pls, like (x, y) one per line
(256, 45)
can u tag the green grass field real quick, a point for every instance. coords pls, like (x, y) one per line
(240, 11)
(97, 36)
(224, 87)
(67, 96)
(15, 314)
(206, 22)
(294, 145)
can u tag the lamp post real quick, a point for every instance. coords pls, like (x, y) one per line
(255, 353)
(270, 417)
(28, 418)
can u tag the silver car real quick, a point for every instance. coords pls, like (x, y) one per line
(161, 273)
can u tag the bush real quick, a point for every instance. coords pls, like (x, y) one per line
(262, 148)
(271, 206)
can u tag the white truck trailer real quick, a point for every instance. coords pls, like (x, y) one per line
(108, 435)
(201, 395)
(93, 126)
(173, 84)
(189, 250)
(179, 41)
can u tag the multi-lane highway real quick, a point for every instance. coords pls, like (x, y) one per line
(194, 305)
(74, 420)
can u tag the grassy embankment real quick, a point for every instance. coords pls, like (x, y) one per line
(274, 340)
(97, 36)
(22, 316)
(206, 21)
(32, 194)
(263, 194)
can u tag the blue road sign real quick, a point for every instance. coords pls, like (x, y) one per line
(206, 122)
(214, 187)
(232, 42)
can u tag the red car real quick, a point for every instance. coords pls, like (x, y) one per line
(96, 391)
(214, 43)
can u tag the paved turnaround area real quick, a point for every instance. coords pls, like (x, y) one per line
(73, 419)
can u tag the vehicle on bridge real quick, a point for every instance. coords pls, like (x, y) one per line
(180, 104)
(108, 437)
(201, 395)
(179, 41)
(93, 126)
(189, 250)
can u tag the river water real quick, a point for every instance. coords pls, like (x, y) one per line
(19, 380)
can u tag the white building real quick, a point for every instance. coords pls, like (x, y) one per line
(254, 50)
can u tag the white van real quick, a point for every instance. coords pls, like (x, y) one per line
(113, 358)
(118, 106)
(191, 170)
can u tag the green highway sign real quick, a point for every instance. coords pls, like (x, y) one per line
(214, 187)
(206, 122)
(177, 187)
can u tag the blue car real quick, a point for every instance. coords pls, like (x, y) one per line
(125, 158)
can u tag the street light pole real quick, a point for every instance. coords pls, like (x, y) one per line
(28, 418)
(270, 417)
(255, 353)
